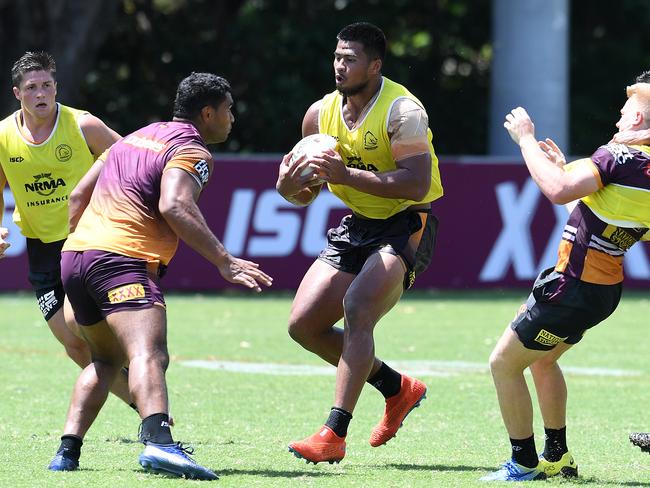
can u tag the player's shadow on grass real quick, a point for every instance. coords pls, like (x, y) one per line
(578, 481)
(599, 482)
(264, 473)
(269, 473)
(125, 440)
(438, 467)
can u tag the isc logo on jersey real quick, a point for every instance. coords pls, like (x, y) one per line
(203, 170)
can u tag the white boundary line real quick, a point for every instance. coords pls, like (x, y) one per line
(415, 368)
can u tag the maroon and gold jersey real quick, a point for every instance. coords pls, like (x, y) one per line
(122, 216)
(605, 224)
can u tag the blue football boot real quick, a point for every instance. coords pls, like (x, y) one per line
(511, 471)
(63, 463)
(174, 459)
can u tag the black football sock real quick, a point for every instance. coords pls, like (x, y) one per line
(155, 428)
(70, 447)
(555, 445)
(338, 421)
(386, 380)
(523, 452)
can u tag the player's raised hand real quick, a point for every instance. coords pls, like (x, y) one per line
(246, 273)
(518, 124)
(630, 137)
(552, 152)
(4, 244)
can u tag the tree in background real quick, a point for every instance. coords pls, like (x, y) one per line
(610, 46)
(71, 30)
(277, 54)
(122, 59)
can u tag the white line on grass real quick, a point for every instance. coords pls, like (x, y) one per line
(415, 368)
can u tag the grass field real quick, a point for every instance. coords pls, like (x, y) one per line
(240, 423)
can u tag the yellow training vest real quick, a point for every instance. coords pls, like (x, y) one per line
(42, 176)
(368, 147)
(629, 203)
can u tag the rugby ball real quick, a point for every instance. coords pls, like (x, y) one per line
(312, 145)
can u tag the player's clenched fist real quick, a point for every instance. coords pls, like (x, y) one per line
(519, 125)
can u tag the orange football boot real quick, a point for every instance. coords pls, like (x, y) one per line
(322, 446)
(411, 393)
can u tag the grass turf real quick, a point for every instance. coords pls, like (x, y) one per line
(240, 424)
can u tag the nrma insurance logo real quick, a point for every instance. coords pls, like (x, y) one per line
(16, 239)
(44, 184)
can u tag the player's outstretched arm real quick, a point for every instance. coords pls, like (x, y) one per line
(556, 156)
(179, 193)
(559, 186)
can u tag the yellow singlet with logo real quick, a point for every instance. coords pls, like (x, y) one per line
(628, 201)
(368, 147)
(42, 176)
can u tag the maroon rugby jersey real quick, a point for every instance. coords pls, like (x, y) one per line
(123, 215)
(605, 224)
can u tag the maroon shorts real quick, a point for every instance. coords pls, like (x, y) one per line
(99, 283)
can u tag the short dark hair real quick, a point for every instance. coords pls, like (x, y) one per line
(643, 77)
(32, 61)
(198, 90)
(370, 36)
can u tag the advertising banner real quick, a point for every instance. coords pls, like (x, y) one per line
(496, 230)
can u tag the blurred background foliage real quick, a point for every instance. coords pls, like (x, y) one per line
(122, 60)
